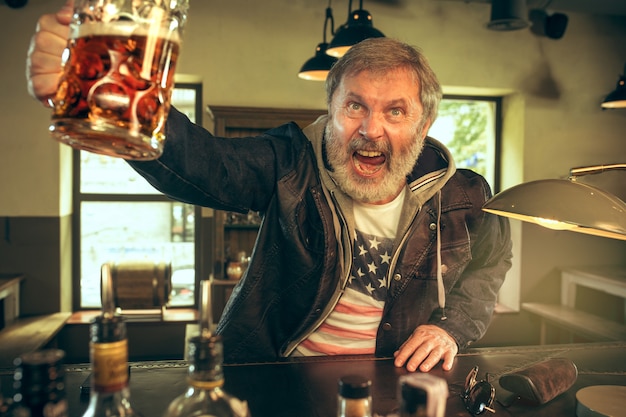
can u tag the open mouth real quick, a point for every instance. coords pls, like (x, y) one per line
(368, 162)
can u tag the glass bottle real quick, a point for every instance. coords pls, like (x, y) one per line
(354, 398)
(204, 395)
(108, 353)
(39, 383)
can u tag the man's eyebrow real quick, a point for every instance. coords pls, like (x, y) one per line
(354, 96)
(393, 103)
(399, 102)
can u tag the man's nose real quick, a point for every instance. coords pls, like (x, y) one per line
(372, 126)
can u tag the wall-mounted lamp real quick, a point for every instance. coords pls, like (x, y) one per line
(317, 67)
(565, 204)
(358, 27)
(508, 15)
(551, 26)
(617, 98)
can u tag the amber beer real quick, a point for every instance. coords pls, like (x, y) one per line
(114, 95)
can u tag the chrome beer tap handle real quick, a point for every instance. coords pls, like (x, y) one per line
(106, 291)
(206, 316)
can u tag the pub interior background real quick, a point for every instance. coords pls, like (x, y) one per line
(247, 54)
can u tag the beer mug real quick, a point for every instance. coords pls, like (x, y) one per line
(118, 73)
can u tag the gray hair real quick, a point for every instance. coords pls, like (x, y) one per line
(379, 55)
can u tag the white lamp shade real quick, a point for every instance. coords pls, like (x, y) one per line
(563, 205)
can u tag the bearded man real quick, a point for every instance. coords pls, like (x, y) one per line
(372, 241)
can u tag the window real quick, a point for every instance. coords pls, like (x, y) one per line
(120, 217)
(470, 128)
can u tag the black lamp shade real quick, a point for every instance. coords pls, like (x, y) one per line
(316, 68)
(508, 15)
(359, 27)
(617, 98)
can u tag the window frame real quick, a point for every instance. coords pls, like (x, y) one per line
(79, 197)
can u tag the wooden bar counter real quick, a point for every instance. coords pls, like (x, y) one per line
(306, 387)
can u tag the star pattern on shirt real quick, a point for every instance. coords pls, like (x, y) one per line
(370, 265)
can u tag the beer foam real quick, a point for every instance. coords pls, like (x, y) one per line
(123, 28)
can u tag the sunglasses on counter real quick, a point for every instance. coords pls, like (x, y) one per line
(478, 395)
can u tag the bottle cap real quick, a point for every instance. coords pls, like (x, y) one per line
(354, 386)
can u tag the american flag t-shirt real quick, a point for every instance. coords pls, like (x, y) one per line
(352, 325)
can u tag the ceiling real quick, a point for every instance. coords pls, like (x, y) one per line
(604, 7)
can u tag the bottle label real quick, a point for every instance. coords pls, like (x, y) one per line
(109, 365)
(206, 385)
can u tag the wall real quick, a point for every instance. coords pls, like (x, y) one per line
(248, 53)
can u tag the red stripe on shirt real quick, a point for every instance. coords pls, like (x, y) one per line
(367, 334)
(356, 309)
(335, 349)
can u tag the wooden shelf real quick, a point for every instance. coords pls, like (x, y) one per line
(9, 298)
(589, 326)
(232, 238)
(610, 280)
(28, 334)
(570, 317)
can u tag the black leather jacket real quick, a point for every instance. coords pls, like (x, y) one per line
(298, 267)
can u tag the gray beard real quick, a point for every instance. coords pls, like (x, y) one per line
(370, 190)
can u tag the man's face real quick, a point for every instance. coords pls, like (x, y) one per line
(375, 134)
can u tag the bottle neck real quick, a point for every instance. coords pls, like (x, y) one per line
(205, 362)
(205, 385)
(114, 397)
(109, 366)
(108, 353)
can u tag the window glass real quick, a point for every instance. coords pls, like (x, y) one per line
(101, 174)
(467, 128)
(123, 218)
(137, 231)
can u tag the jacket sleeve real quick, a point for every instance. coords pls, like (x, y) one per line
(472, 298)
(236, 174)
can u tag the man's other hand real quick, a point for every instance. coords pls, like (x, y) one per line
(427, 346)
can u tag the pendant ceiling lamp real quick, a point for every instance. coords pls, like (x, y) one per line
(617, 98)
(565, 204)
(317, 67)
(358, 27)
(508, 15)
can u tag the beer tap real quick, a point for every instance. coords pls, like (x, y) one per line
(106, 291)
(206, 316)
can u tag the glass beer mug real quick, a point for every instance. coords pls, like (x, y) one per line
(118, 73)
